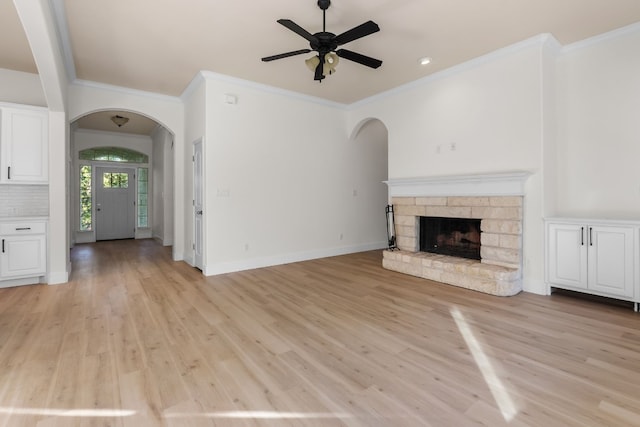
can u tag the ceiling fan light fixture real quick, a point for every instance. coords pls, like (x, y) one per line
(424, 60)
(331, 60)
(119, 120)
(312, 62)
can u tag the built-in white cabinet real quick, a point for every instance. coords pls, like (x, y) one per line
(24, 145)
(597, 257)
(23, 255)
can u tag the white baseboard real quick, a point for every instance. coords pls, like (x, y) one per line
(58, 277)
(535, 286)
(250, 264)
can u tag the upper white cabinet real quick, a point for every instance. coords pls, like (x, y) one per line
(24, 145)
(594, 257)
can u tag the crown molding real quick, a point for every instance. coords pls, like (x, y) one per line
(126, 90)
(210, 75)
(538, 40)
(629, 29)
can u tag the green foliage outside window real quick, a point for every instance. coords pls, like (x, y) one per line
(113, 154)
(115, 180)
(85, 198)
(143, 195)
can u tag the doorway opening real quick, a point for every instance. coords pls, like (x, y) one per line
(121, 178)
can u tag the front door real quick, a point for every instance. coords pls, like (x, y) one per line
(115, 203)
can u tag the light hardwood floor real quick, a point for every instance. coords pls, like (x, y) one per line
(136, 339)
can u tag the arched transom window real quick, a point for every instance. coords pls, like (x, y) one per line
(113, 154)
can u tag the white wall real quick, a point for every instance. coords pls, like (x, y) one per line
(280, 175)
(195, 123)
(84, 138)
(491, 109)
(162, 186)
(599, 127)
(21, 88)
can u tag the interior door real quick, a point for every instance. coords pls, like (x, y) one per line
(115, 203)
(198, 257)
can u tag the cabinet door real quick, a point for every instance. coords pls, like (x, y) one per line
(23, 256)
(567, 252)
(611, 267)
(24, 142)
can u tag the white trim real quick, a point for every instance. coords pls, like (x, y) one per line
(197, 80)
(249, 264)
(535, 286)
(177, 256)
(538, 40)
(629, 29)
(210, 75)
(9, 283)
(495, 184)
(126, 91)
(63, 37)
(58, 277)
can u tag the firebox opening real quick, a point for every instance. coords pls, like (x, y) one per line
(458, 237)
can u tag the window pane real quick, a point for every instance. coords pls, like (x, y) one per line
(143, 192)
(115, 180)
(113, 154)
(85, 198)
(106, 180)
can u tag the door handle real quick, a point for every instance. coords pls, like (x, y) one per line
(199, 212)
(581, 236)
(590, 236)
(2, 245)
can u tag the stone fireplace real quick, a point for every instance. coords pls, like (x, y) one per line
(499, 270)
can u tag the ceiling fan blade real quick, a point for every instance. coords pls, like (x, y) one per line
(359, 58)
(361, 30)
(319, 69)
(285, 55)
(297, 29)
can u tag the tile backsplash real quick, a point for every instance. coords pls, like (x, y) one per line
(24, 200)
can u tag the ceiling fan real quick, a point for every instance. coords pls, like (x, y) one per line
(326, 44)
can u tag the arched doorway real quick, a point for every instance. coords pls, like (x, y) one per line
(116, 151)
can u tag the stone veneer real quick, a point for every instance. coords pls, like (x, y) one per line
(498, 272)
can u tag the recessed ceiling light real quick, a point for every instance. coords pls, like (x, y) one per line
(424, 61)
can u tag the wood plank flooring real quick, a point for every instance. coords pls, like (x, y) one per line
(136, 339)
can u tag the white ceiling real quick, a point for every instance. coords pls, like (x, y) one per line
(160, 45)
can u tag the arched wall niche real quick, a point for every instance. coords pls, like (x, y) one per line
(369, 159)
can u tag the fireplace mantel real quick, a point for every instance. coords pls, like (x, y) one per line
(494, 184)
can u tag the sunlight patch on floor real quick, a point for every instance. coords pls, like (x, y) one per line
(80, 413)
(498, 390)
(275, 415)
